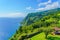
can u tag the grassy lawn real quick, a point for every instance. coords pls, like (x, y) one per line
(40, 36)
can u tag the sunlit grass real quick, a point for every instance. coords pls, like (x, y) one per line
(40, 36)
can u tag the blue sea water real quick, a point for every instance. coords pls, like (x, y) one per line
(8, 26)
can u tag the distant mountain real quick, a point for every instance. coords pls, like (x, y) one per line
(36, 23)
(33, 17)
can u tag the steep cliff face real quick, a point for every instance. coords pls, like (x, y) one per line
(33, 17)
(35, 21)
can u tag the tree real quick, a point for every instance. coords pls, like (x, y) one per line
(47, 30)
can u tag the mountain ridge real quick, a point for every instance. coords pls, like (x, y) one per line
(38, 22)
(39, 15)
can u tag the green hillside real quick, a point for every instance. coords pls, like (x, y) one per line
(40, 36)
(34, 17)
(38, 23)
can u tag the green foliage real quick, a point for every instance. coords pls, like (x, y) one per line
(54, 37)
(40, 36)
(40, 21)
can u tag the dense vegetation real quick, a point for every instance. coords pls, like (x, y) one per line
(36, 23)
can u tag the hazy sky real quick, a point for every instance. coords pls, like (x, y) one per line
(19, 8)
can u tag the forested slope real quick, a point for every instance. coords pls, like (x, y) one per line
(36, 23)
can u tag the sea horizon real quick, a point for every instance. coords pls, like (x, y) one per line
(8, 27)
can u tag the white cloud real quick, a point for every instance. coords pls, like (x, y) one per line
(49, 6)
(13, 15)
(45, 3)
(29, 8)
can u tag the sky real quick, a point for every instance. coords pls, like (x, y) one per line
(20, 8)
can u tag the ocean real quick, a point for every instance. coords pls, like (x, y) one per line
(8, 27)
